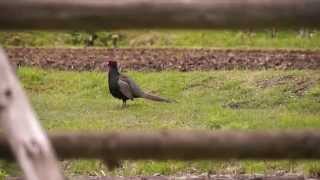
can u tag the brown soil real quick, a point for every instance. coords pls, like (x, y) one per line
(87, 59)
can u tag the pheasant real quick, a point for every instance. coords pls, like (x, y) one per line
(124, 88)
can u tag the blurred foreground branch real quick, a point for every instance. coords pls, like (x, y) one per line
(21, 129)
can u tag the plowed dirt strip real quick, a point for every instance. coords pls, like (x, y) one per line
(87, 59)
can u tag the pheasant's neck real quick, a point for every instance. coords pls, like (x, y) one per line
(113, 73)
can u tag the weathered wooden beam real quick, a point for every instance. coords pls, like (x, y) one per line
(186, 145)
(108, 14)
(27, 140)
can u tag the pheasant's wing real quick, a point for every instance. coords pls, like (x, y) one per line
(135, 89)
(125, 89)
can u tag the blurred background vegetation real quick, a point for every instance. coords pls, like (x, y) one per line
(269, 38)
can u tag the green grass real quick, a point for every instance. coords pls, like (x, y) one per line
(166, 39)
(224, 100)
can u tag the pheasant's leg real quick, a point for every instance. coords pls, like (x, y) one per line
(124, 103)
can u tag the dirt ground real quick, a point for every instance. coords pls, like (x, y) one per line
(87, 59)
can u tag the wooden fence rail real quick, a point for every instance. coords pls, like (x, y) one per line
(184, 145)
(107, 14)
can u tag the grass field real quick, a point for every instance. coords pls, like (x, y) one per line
(216, 100)
(291, 39)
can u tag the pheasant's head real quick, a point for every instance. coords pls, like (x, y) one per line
(112, 64)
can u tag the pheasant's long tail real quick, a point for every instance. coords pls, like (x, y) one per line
(156, 98)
